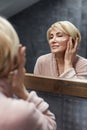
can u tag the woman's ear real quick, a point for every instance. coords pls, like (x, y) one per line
(73, 41)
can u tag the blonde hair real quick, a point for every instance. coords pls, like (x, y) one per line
(9, 42)
(67, 27)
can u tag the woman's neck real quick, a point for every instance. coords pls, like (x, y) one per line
(59, 59)
(59, 63)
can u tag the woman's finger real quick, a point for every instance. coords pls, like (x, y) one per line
(21, 56)
(76, 43)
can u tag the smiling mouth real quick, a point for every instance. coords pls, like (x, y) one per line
(56, 46)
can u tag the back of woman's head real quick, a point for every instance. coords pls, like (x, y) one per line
(8, 46)
(68, 28)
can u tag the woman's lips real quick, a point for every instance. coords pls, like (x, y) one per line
(55, 46)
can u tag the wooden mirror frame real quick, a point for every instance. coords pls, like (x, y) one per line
(58, 86)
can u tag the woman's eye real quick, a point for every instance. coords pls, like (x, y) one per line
(50, 37)
(59, 35)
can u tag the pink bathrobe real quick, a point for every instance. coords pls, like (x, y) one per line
(17, 114)
(46, 66)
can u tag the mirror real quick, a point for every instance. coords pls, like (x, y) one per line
(33, 22)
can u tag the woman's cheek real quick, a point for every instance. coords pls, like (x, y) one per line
(63, 39)
(64, 42)
(49, 43)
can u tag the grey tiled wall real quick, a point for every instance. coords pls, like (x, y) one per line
(70, 112)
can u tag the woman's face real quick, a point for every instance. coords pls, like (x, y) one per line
(58, 41)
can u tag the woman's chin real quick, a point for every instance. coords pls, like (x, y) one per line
(56, 51)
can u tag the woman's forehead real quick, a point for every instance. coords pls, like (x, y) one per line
(55, 30)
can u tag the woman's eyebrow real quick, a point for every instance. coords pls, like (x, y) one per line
(59, 33)
(51, 34)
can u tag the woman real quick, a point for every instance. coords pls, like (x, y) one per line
(30, 112)
(62, 62)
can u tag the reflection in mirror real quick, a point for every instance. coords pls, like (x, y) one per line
(63, 62)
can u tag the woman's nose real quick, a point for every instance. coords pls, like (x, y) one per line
(54, 39)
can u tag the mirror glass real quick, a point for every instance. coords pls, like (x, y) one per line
(32, 25)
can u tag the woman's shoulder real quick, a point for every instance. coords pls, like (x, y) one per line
(13, 104)
(15, 107)
(81, 60)
(19, 112)
(81, 63)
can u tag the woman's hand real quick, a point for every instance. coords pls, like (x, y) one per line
(18, 75)
(70, 53)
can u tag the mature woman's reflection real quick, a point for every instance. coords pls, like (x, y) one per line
(63, 61)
